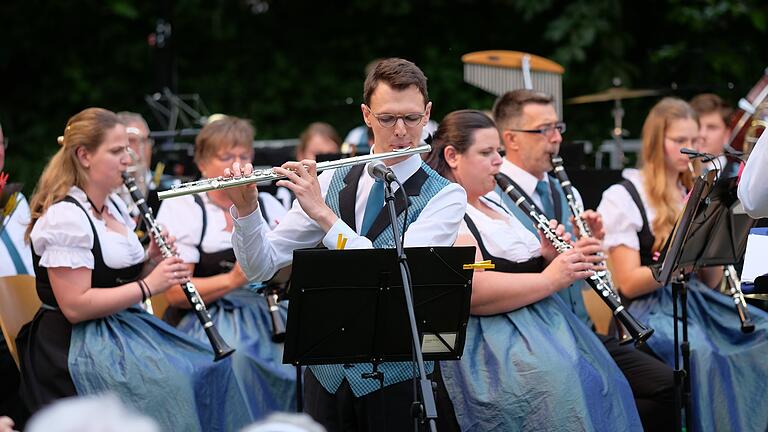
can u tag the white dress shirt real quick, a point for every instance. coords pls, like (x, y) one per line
(262, 252)
(15, 227)
(527, 183)
(753, 186)
(64, 238)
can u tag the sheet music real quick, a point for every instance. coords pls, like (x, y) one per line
(755, 263)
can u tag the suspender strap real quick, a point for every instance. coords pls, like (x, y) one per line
(199, 202)
(14, 253)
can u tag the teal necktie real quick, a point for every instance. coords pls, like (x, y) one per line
(542, 189)
(373, 206)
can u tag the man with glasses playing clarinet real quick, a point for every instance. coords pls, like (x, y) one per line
(531, 134)
(348, 202)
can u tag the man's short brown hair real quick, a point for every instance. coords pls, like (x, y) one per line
(398, 74)
(509, 106)
(707, 103)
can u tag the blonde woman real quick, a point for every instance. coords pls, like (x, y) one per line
(90, 336)
(728, 367)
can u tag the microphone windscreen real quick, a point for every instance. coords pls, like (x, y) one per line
(377, 169)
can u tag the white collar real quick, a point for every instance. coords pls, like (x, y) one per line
(523, 178)
(403, 170)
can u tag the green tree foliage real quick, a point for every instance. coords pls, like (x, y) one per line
(286, 63)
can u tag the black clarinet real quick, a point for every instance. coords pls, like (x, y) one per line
(734, 286)
(278, 326)
(637, 330)
(577, 210)
(220, 347)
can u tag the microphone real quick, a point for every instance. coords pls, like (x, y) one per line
(379, 171)
(732, 152)
(693, 154)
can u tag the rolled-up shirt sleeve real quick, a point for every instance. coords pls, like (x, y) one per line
(621, 218)
(63, 238)
(753, 186)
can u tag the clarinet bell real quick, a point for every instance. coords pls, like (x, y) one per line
(637, 333)
(220, 348)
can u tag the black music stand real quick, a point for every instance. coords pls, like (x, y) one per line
(708, 233)
(718, 231)
(348, 306)
(672, 253)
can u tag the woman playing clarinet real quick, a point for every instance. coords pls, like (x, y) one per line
(90, 335)
(529, 363)
(202, 225)
(728, 367)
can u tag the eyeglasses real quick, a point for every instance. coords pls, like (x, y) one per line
(682, 141)
(387, 120)
(228, 158)
(547, 131)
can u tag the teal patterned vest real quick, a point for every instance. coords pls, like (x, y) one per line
(421, 187)
(572, 295)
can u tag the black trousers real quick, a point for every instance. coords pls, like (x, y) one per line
(652, 383)
(388, 409)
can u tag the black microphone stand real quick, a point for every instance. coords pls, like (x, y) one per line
(681, 374)
(424, 408)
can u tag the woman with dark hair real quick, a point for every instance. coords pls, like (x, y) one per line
(90, 336)
(529, 362)
(639, 214)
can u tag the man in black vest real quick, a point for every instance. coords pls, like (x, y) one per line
(531, 134)
(348, 203)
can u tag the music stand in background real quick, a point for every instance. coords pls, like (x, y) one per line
(348, 306)
(709, 232)
(718, 237)
(719, 230)
(670, 266)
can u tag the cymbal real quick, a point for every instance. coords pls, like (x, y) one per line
(612, 94)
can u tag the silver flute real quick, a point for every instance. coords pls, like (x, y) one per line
(637, 330)
(268, 175)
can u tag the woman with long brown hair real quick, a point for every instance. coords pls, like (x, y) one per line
(90, 335)
(529, 363)
(728, 367)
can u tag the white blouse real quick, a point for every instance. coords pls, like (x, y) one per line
(183, 218)
(503, 238)
(16, 227)
(621, 217)
(64, 238)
